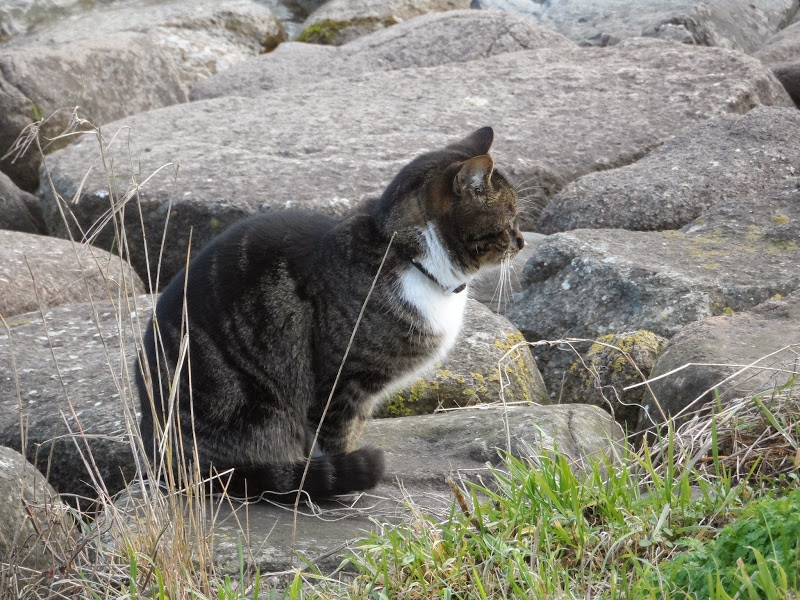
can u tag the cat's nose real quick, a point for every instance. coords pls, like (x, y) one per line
(520, 242)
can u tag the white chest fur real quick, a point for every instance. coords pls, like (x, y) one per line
(442, 312)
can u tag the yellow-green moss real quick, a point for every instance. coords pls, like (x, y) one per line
(400, 406)
(214, 223)
(780, 219)
(19, 323)
(327, 31)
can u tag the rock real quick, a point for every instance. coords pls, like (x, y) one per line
(612, 363)
(337, 22)
(21, 16)
(36, 529)
(19, 211)
(420, 452)
(425, 41)
(587, 283)
(332, 148)
(490, 363)
(487, 287)
(81, 408)
(736, 24)
(782, 55)
(727, 157)
(760, 345)
(118, 61)
(38, 272)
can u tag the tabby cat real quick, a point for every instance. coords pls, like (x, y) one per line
(270, 308)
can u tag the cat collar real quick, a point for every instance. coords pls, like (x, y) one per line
(447, 290)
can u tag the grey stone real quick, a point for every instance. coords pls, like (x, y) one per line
(21, 16)
(425, 41)
(587, 283)
(736, 24)
(495, 287)
(328, 145)
(490, 363)
(759, 346)
(38, 272)
(420, 452)
(36, 528)
(71, 387)
(725, 158)
(781, 54)
(346, 20)
(19, 211)
(118, 61)
(614, 362)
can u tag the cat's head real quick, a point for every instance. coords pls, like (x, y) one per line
(452, 206)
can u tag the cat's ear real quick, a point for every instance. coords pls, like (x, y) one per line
(474, 173)
(478, 142)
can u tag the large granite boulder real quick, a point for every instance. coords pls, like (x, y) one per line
(420, 452)
(337, 22)
(327, 145)
(19, 210)
(781, 53)
(36, 529)
(490, 363)
(39, 272)
(726, 357)
(728, 157)
(586, 283)
(605, 374)
(426, 41)
(119, 60)
(69, 383)
(739, 24)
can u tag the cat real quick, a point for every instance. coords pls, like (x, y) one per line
(271, 304)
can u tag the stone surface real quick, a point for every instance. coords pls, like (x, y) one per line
(38, 272)
(331, 143)
(425, 41)
(487, 287)
(20, 16)
(587, 283)
(119, 60)
(67, 380)
(35, 526)
(760, 347)
(728, 157)
(739, 24)
(781, 53)
(490, 363)
(19, 211)
(341, 21)
(612, 363)
(420, 452)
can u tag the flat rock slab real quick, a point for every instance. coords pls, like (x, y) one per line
(587, 283)
(728, 157)
(760, 346)
(420, 452)
(426, 41)
(39, 272)
(740, 24)
(119, 60)
(326, 146)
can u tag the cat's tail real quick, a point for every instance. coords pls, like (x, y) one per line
(327, 476)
